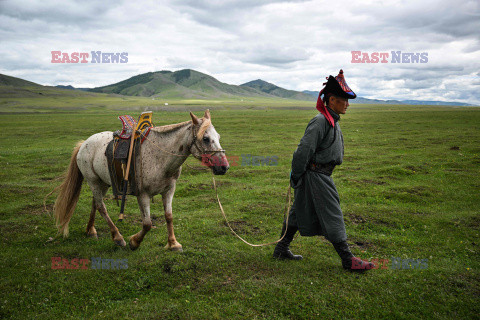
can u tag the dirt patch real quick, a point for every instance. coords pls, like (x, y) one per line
(206, 186)
(186, 171)
(377, 182)
(158, 220)
(198, 186)
(390, 224)
(256, 207)
(15, 228)
(50, 179)
(473, 221)
(418, 212)
(417, 191)
(168, 266)
(466, 282)
(469, 222)
(223, 183)
(243, 227)
(241, 173)
(412, 168)
(16, 190)
(361, 244)
(455, 148)
(36, 209)
(355, 218)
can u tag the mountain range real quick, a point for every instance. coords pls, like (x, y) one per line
(191, 84)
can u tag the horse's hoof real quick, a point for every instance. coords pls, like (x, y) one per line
(92, 232)
(92, 235)
(120, 243)
(133, 244)
(174, 248)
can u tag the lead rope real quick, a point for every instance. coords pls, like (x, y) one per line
(262, 244)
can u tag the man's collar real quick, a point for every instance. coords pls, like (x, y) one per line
(335, 116)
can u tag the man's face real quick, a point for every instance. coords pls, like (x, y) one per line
(339, 105)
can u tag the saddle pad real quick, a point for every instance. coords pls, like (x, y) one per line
(116, 167)
(121, 149)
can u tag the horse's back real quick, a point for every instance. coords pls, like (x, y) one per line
(91, 159)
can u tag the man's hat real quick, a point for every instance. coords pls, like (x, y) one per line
(334, 86)
(338, 87)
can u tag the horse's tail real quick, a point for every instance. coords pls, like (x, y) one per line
(69, 193)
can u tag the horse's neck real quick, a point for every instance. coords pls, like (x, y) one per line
(171, 147)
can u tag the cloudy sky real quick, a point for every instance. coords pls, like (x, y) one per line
(293, 44)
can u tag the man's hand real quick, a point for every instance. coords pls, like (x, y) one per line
(295, 184)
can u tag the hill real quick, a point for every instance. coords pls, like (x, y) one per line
(70, 87)
(186, 84)
(276, 91)
(12, 87)
(16, 82)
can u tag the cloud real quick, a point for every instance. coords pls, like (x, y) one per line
(293, 44)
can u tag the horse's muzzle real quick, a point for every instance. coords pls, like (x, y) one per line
(220, 170)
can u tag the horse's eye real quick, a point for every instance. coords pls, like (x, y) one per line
(206, 139)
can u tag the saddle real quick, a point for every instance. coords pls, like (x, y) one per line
(118, 150)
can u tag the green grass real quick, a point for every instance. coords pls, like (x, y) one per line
(40, 99)
(408, 187)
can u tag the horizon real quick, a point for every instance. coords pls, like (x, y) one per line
(303, 91)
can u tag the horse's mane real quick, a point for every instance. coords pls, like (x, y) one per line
(173, 127)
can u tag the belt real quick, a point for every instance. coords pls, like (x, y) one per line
(325, 169)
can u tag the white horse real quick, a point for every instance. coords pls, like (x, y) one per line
(161, 157)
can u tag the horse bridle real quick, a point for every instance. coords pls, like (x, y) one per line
(204, 151)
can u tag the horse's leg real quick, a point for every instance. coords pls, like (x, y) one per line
(99, 189)
(167, 198)
(144, 204)
(91, 232)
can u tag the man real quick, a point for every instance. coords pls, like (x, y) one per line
(316, 208)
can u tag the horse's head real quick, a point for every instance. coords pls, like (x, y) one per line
(206, 144)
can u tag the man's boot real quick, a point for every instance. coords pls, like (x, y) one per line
(281, 250)
(349, 261)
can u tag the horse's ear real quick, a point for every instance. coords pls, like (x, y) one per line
(194, 119)
(207, 114)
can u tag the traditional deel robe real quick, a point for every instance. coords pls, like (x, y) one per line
(316, 208)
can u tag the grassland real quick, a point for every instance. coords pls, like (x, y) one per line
(41, 99)
(408, 187)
